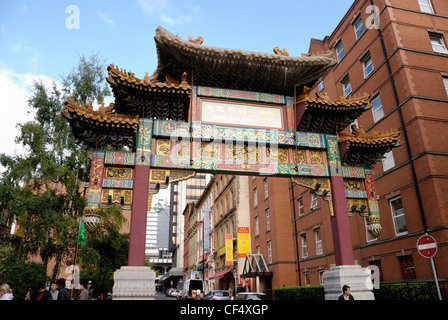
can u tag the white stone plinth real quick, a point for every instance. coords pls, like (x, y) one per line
(134, 283)
(356, 277)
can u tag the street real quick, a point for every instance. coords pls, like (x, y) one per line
(161, 296)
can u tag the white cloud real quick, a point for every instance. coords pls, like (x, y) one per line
(15, 90)
(181, 12)
(32, 56)
(106, 18)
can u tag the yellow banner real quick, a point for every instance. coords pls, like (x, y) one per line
(243, 242)
(229, 249)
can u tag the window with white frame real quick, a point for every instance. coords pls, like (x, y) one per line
(304, 246)
(367, 65)
(388, 161)
(396, 207)
(377, 108)
(445, 83)
(300, 205)
(438, 45)
(320, 85)
(257, 226)
(268, 220)
(319, 249)
(269, 252)
(313, 200)
(346, 86)
(426, 6)
(255, 198)
(359, 27)
(340, 51)
(266, 192)
(321, 277)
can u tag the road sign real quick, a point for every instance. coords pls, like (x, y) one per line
(427, 246)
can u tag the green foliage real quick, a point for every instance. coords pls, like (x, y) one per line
(299, 293)
(406, 291)
(43, 182)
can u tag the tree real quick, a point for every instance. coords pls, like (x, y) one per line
(44, 182)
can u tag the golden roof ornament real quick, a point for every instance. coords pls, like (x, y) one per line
(280, 52)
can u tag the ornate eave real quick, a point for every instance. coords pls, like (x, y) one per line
(237, 69)
(95, 128)
(361, 149)
(322, 115)
(149, 97)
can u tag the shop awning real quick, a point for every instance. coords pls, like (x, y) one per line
(220, 274)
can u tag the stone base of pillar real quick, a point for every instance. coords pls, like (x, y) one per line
(134, 283)
(356, 277)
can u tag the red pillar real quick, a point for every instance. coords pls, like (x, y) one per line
(137, 236)
(340, 225)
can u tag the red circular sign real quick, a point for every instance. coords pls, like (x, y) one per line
(427, 246)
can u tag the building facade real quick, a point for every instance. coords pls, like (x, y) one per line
(403, 65)
(408, 85)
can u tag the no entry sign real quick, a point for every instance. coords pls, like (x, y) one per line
(427, 246)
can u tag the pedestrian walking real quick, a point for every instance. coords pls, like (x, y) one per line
(43, 293)
(5, 292)
(63, 291)
(84, 294)
(90, 289)
(54, 290)
(346, 293)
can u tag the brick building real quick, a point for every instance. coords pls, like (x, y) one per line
(404, 66)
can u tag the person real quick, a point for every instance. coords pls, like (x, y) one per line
(84, 294)
(54, 290)
(90, 289)
(5, 292)
(43, 293)
(346, 293)
(63, 291)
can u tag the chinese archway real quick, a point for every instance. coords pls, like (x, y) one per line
(207, 109)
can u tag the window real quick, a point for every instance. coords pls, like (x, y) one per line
(257, 226)
(359, 27)
(396, 207)
(269, 252)
(388, 161)
(255, 198)
(313, 200)
(268, 220)
(425, 6)
(321, 277)
(407, 267)
(304, 246)
(300, 205)
(320, 85)
(306, 278)
(367, 65)
(346, 86)
(266, 193)
(377, 108)
(438, 45)
(319, 249)
(445, 82)
(340, 51)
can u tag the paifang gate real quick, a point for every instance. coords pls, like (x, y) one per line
(215, 110)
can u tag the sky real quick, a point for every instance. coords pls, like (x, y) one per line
(42, 39)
